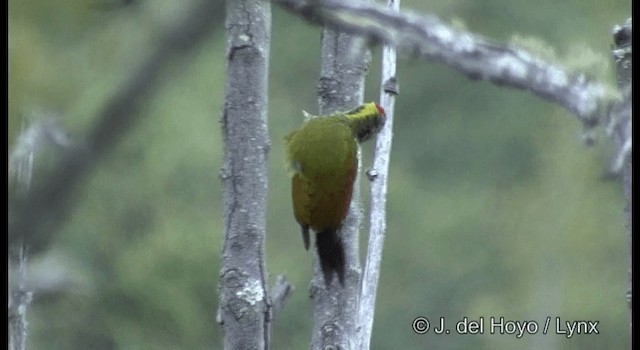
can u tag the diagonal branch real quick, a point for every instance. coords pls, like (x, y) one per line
(36, 217)
(474, 56)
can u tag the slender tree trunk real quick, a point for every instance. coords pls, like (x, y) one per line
(345, 62)
(32, 140)
(620, 126)
(245, 312)
(19, 296)
(19, 299)
(379, 180)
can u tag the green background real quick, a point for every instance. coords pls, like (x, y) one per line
(495, 206)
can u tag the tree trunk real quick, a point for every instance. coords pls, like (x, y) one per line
(345, 62)
(245, 311)
(620, 126)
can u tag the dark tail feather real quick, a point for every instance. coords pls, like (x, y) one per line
(331, 255)
(305, 236)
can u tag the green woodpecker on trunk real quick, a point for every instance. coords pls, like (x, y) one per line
(321, 157)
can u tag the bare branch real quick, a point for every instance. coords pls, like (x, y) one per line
(620, 128)
(42, 132)
(48, 202)
(619, 118)
(245, 311)
(280, 293)
(377, 219)
(19, 298)
(472, 55)
(29, 143)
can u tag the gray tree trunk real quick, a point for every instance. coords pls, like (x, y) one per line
(345, 62)
(378, 176)
(19, 297)
(620, 127)
(245, 312)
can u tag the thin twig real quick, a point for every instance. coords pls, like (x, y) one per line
(379, 182)
(280, 293)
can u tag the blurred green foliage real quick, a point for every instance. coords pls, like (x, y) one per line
(495, 207)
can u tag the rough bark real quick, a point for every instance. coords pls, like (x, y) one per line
(245, 312)
(379, 178)
(620, 128)
(345, 62)
(19, 297)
